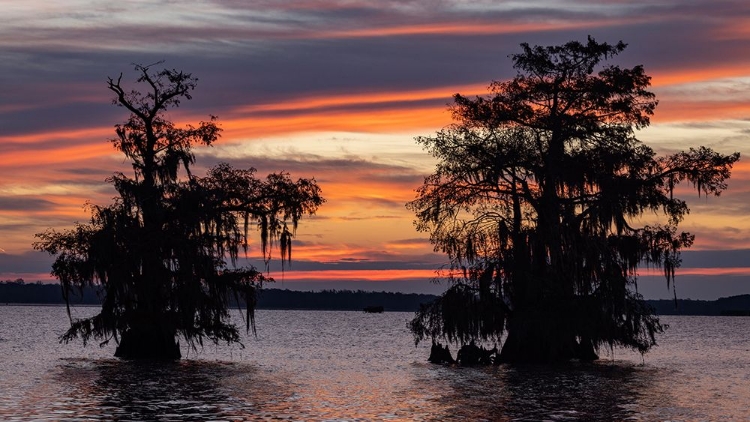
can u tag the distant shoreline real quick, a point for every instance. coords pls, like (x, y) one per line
(61, 305)
(51, 305)
(38, 294)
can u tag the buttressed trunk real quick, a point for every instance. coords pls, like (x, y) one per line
(542, 334)
(149, 337)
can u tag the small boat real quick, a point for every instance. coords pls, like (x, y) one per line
(373, 309)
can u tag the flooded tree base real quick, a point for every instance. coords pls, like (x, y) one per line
(440, 354)
(534, 347)
(148, 343)
(516, 350)
(473, 355)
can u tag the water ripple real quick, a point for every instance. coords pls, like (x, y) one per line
(353, 366)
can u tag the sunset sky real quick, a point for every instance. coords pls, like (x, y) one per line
(337, 90)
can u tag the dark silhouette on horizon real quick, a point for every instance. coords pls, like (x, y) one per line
(38, 293)
(19, 292)
(159, 250)
(373, 309)
(536, 198)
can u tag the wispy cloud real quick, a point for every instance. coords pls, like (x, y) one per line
(337, 90)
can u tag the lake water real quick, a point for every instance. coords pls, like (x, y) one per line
(320, 365)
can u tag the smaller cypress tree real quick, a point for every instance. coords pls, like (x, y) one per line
(165, 251)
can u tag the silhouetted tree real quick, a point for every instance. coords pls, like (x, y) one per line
(538, 199)
(162, 251)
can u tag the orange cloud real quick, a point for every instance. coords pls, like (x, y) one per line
(332, 252)
(349, 192)
(691, 111)
(30, 277)
(736, 29)
(61, 153)
(477, 28)
(399, 111)
(411, 245)
(661, 78)
(97, 132)
(341, 100)
(368, 192)
(397, 119)
(355, 275)
(329, 252)
(706, 243)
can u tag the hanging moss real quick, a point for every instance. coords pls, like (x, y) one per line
(165, 251)
(536, 198)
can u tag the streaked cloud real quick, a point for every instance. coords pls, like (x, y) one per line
(337, 90)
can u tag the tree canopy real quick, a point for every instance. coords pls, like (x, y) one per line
(539, 197)
(166, 250)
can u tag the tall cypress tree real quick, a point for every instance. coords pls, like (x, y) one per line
(538, 198)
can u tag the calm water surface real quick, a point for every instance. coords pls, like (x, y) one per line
(319, 365)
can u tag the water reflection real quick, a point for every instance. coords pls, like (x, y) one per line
(355, 366)
(166, 391)
(602, 391)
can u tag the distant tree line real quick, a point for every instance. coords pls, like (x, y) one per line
(18, 291)
(732, 305)
(341, 300)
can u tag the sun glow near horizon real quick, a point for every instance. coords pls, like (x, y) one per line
(343, 106)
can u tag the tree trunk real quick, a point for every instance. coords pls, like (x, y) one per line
(148, 340)
(585, 350)
(534, 339)
(541, 338)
